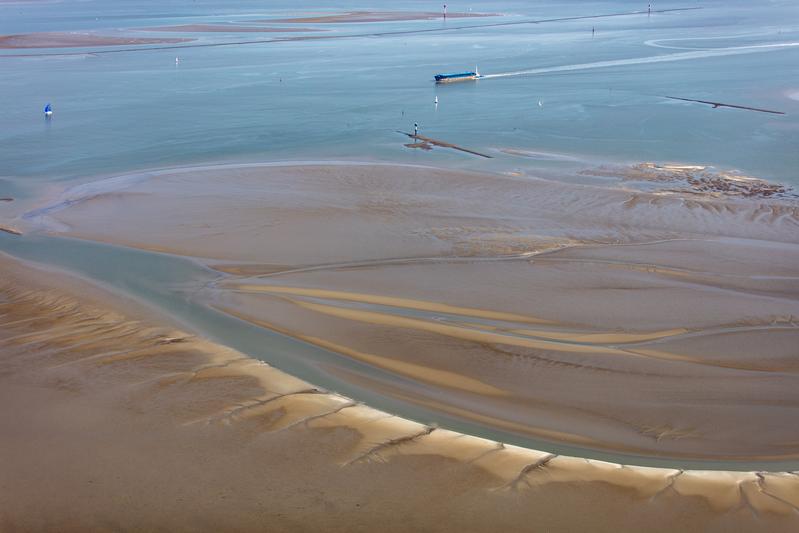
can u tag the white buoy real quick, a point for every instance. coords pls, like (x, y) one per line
(177, 60)
(436, 100)
(540, 103)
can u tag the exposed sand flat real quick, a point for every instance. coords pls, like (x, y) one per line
(628, 322)
(708, 391)
(226, 28)
(693, 179)
(76, 40)
(359, 213)
(120, 420)
(12, 231)
(377, 16)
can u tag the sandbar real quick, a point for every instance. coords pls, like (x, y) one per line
(696, 179)
(226, 28)
(377, 16)
(76, 40)
(12, 231)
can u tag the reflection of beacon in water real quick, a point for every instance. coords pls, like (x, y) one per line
(48, 111)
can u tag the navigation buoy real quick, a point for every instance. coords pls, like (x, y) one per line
(48, 110)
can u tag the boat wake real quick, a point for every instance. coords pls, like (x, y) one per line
(679, 56)
(659, 43)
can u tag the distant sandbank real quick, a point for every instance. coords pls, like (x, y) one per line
(226, 28)
(377, 16)
(76, 40)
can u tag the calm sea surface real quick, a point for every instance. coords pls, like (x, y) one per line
(344, 98)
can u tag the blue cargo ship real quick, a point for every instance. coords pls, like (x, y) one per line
(461, 76)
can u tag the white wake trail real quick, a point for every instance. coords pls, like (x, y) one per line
(681, 56)
(658, 43)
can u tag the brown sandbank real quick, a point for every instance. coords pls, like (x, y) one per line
(115, 420)
(696, 179)
(12, 231)
(75, 40)
(377, 16)
(626, 321)
(226, 28)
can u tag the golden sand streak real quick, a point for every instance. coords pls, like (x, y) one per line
(442, 378)
(373, 317)
(405, 303)
(420, 305)
(602, 338)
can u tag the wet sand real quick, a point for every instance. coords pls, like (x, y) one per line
(427, 143)
(226, 28)
(121, 420)
(12, 231)
(75, 40)
(695, 179)
(630, 322)
(377, 16)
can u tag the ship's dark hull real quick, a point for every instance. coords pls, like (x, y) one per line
(450, 78)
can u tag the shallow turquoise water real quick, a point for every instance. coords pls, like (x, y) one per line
(343, 99)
